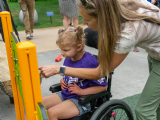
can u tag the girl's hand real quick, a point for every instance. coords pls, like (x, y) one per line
(63, 84)
(49, 70)
(75, 89)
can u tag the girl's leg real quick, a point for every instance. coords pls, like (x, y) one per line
(52, 100)
(65, 21)
(75, 22)
(149, 101)
(64, 110)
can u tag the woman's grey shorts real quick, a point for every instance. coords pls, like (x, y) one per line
(82, 108)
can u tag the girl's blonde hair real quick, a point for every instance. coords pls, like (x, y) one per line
(71, 36)
(111, 14)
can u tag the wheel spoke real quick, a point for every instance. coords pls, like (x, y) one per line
(122, 115)
(113, 110)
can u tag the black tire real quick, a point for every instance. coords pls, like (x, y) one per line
(107, 109)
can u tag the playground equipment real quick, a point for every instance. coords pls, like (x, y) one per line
(6, 85)
(5, 82)
(24, 77)
(35, 17)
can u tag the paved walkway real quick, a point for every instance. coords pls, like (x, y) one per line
(128, 79)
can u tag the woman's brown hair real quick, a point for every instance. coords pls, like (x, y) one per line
(110, 15)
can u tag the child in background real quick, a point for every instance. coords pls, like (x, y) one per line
(64, 104)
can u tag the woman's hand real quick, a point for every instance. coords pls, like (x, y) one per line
(63, 84)
(49, 70)
(75, 89)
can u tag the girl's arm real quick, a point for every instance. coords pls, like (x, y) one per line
(84, 73)
(75, 89)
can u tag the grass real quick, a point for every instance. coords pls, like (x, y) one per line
(43, 20)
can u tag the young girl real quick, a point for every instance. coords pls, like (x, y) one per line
(64, 104)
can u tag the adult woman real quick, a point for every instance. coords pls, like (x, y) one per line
(68, 10)
(121, 26)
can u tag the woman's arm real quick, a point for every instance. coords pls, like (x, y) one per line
(75, 89)
(84, 73)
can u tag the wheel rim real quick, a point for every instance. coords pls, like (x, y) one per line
(117, 112)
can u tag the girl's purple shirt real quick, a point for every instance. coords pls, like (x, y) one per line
(87, 61)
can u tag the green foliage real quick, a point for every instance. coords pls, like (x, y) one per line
(43, 20)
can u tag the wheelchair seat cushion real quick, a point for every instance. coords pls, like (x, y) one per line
(82, 108)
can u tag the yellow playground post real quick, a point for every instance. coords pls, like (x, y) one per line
(23, 66)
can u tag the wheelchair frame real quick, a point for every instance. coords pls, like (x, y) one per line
(102, 102)
(87, 98)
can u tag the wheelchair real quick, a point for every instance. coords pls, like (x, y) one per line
(102, 108)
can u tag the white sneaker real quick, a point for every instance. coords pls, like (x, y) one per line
(31, 35)
(28, 37)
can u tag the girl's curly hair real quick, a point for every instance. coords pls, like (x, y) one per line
(71, 36)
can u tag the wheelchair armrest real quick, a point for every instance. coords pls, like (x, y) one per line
(55, 88)
(85, 99)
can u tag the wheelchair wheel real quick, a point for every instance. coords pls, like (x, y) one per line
(113, 110)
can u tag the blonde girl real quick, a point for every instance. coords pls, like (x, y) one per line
(64, 104)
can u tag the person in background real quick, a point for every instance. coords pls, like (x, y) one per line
(27, 7)
(71, 23)
(69, 10)
(135, 49)
(91, 38)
